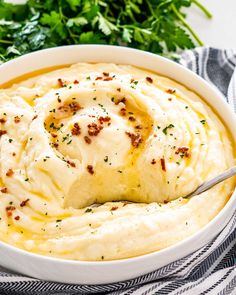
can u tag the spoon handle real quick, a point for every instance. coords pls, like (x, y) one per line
(212, 182)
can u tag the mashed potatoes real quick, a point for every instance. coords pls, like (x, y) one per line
(95, 160)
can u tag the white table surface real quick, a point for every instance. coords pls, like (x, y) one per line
(220, 31)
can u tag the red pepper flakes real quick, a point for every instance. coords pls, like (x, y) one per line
(75, 106)
(9, 210)
(4, 190)
(122, 112)
(87, 139)
(76, 82)
(166, 201)
(76, 130)
(149, 79)
(125, 203)
(170, 99)
(171, 91)
(123, 100)
(153, 162)
(104, 119)
(114, 208)
(136, 139)
(98, 78)
(9, 213)
(64, 108)
(71, 107)
(72, 164)
(56, 145)
(17, 217)
(183, 151)
(132, 118)
(13, 154)
(2, 132)
(17, 119)
(108, 79)
(35, 117)
(139, 127)
(105, 74)
(61, 83)
(90, 169)
(54, 135)
(3, 120)
(23, 203)
(9, 173)
(163, 164)
(94, 129)
(118, 89)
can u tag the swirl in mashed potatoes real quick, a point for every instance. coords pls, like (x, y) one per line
(96, 159)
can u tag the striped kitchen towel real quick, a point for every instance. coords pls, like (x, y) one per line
(212, 269)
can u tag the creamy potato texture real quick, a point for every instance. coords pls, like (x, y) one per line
(96, 159)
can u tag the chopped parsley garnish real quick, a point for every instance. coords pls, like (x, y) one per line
(106, 159)
(88, 210)
(203, 122)
(101, 105)
(167, 127)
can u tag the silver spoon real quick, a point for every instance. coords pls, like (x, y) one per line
(212, 182)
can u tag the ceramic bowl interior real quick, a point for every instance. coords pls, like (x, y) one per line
(79, 272)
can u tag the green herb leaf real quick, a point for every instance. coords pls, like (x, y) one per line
(156, 26)
(106, 26)
(54, 20)
(88, 210)
(78, 21)
(166, 128)
(127, 35)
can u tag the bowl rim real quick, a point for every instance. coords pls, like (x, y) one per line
(153, 254)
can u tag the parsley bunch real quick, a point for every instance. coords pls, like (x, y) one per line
(158, 26)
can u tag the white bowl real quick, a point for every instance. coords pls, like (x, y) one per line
(81, 272)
